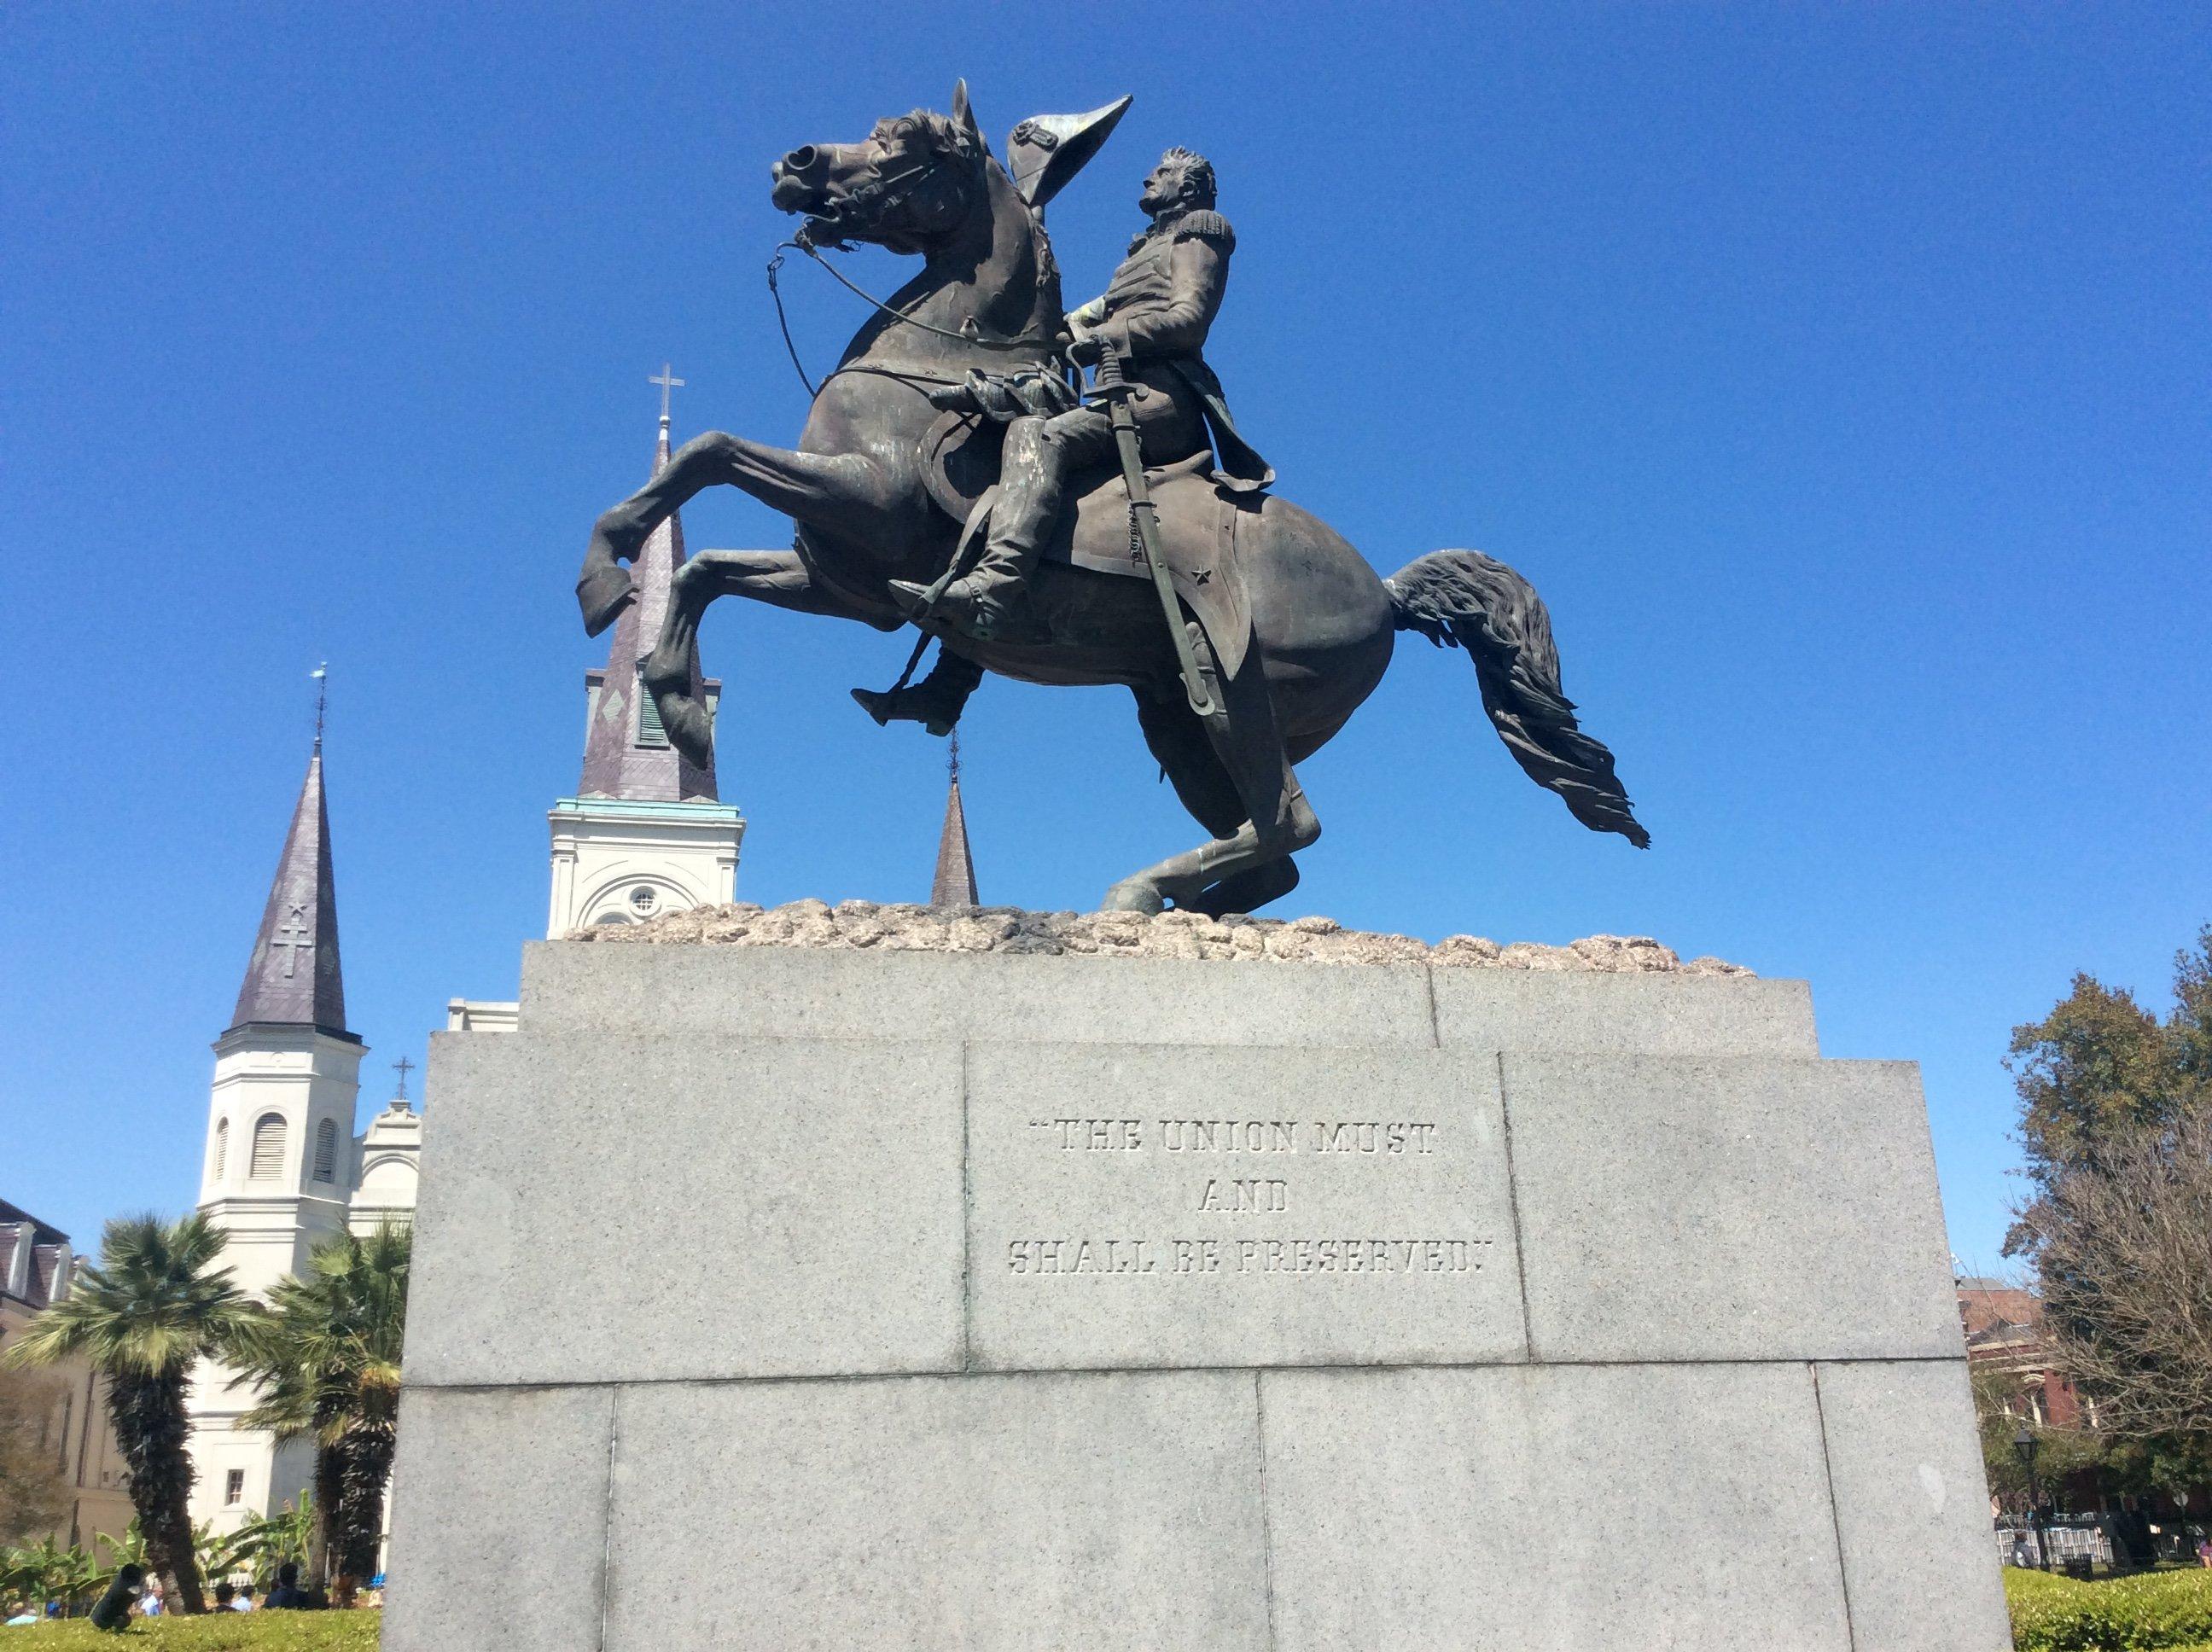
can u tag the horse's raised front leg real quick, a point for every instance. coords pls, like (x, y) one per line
(842, 491)
(672, 669)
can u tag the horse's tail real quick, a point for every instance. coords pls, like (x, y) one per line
(1462, 598)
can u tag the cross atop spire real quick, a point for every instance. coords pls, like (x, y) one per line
(403, 1066)
(667, 383)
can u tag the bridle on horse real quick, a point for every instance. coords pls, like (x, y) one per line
(878, 194)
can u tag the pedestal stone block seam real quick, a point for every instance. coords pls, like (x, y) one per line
(1435, 1025)
(1835, 1514)
(1267, 1517)
(1513, 1206)
(816, 1379)
(967, 1228)
(607, 1517)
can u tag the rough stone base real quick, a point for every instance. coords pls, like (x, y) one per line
(839, 1297)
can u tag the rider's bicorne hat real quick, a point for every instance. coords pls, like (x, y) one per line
(1045, 151)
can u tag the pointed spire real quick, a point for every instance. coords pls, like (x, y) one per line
(292, 978)
(955, 883)
(626, 755)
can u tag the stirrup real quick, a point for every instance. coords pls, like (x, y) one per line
(980, 615)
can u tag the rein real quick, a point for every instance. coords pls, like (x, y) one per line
(969, 332)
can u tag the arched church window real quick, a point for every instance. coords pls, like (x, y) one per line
(221, 1147)
(326, 1150)
(268, 1161)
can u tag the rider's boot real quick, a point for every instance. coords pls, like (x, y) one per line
(981, 603)
(935, 702)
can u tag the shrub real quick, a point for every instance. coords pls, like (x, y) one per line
(232, 1631)
(2149, 1612)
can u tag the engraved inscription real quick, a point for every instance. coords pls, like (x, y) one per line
(1328, 1149)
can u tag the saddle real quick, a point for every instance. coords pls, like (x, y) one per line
(1199, 521)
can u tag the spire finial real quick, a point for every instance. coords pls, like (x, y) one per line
(403, 1066)
(321, 678)
(667, 382)
(952, 757)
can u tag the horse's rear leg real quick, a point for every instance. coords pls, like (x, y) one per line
(1231, 775)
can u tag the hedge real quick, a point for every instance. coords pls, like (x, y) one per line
(218, 1631)
(2152, 1612)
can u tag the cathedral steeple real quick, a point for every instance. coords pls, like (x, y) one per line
(292, 978)
(955, 883)
(626, 752)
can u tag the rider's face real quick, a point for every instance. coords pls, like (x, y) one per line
(1162, 188)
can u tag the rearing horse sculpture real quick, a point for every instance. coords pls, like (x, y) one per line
(1315, 624)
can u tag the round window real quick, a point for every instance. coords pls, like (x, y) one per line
(642, 900)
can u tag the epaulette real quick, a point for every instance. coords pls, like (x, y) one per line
(1209, 226)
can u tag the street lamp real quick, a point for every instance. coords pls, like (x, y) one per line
(2024, 1445)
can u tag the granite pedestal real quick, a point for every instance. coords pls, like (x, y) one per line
(769, 1298)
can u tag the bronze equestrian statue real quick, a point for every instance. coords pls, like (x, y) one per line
(896, 489)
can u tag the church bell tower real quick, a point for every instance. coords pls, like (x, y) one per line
(277, 1169)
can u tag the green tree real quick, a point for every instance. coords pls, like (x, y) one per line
(267, 1541)
(331, 1368)
(130, 1549)
(33, 1494)
(2100, 1065)
(2115, 1123)
(44, 1571)
(155, 1307)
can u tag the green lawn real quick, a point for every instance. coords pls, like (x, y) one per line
(226, 1631)
(2154, 1612)
(2160, 1611)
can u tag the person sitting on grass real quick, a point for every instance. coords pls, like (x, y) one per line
(113, 1611)
(288, 1595)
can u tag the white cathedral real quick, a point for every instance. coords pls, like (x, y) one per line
(283, 1168)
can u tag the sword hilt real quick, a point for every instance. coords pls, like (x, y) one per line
(1110, 381)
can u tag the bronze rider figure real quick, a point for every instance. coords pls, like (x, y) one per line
(1155, 315)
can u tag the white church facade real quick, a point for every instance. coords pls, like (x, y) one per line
(283, 1166)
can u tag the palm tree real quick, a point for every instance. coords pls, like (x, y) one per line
(330, 1364)
(155, 1307)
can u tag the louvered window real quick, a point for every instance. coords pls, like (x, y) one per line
(268, 1148)
(649, 729)
(221, 1147)
(326, 1150)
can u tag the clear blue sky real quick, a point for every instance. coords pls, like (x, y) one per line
(1838, 373)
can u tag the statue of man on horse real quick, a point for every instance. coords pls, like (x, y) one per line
(950, 476)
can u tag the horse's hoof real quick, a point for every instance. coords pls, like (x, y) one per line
(688, 729)
(602, 590)
(1134, 894)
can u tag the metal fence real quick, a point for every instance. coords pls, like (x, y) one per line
(2019, 1546)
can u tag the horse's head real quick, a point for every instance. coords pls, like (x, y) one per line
(913, 183)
